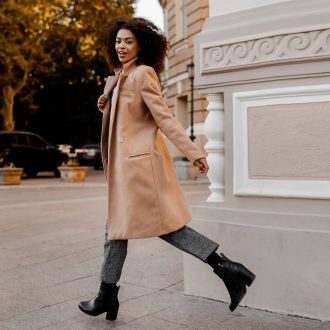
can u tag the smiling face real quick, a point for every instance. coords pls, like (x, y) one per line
(126, 46)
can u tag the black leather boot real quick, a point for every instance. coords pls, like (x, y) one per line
(105, 301)
(236, 277)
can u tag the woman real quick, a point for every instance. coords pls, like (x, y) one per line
(144, 196)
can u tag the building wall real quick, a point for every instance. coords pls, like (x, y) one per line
(183, 20)
(266, 74)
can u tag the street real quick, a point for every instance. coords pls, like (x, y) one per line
(51, 242)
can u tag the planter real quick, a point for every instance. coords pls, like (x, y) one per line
(73, 173)
(10, 175)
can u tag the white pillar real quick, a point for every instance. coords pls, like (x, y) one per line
(215, 147)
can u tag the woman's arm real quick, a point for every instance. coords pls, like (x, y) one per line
(169, 125)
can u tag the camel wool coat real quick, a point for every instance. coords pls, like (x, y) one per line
(144, 195)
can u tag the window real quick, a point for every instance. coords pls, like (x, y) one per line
(21, 139)
(181, 20)
(36, 142)
(182, 111)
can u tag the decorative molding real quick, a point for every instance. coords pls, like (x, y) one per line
(281, 48)
(243, 185)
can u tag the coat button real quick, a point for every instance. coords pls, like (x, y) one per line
(121, 140)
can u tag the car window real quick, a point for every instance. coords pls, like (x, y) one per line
(21, 139)
(36, 142)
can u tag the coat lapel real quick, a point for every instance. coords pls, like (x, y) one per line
(109, 112)
(114, 102)
(123, 73)
(111, 81)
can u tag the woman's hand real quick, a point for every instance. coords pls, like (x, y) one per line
(102, 101)
(202, 164)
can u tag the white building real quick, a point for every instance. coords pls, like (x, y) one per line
(264, 67)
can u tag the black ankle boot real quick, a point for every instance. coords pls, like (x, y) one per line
(105, 301)
(236, 277)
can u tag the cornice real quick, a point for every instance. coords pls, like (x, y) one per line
(282, 48)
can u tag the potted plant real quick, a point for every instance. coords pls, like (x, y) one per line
(71, 171)
(9, 174)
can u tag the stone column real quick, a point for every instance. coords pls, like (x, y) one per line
(215, 147)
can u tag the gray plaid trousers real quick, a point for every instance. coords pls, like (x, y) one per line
(185, 239)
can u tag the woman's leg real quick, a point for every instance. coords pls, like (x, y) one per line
(234, 275)
(115, 252)
(192, 242)
(106, 300)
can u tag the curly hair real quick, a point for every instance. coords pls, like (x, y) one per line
(152, 42)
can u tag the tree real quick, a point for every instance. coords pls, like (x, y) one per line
(43, 38)
(23, 25)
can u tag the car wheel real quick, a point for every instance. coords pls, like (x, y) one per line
(57, 172)
(30, 172)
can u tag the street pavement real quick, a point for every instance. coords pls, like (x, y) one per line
(51, 241)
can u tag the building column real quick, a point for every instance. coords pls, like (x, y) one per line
(215, 147)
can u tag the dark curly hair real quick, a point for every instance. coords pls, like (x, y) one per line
(152, 42)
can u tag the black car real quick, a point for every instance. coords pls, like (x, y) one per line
(98, 165)
(31, 152)
(86, 154)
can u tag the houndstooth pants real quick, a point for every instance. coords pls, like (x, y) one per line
(185, 239)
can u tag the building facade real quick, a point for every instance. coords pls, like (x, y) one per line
(183, 19)
(264, 67)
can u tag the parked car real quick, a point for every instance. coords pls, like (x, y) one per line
(86, 154)
(30, 151)
(98, 165)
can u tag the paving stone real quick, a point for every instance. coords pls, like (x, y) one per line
(129, 291)
(152, 303)
(179, 287)
(60, 293)
(42, 317)
(251, 319)
(51, 254)
(13, 305)
(324, 326)
(125, 327)
(197, 313)
(84, 322)
(151, 322)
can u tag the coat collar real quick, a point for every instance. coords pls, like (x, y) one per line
(126, 68)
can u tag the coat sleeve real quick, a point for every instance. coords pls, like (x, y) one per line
(169, 125)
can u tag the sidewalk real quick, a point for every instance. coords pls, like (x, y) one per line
(51, 241)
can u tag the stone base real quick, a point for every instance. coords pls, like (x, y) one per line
(289, 253)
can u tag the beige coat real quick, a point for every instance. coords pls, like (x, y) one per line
(145, 199)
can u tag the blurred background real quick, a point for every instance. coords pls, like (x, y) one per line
(52, 67)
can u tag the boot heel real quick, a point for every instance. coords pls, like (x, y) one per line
(112, 314)
(246, 276)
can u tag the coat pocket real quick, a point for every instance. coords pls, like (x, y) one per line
(140, 179)
(140, 154)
